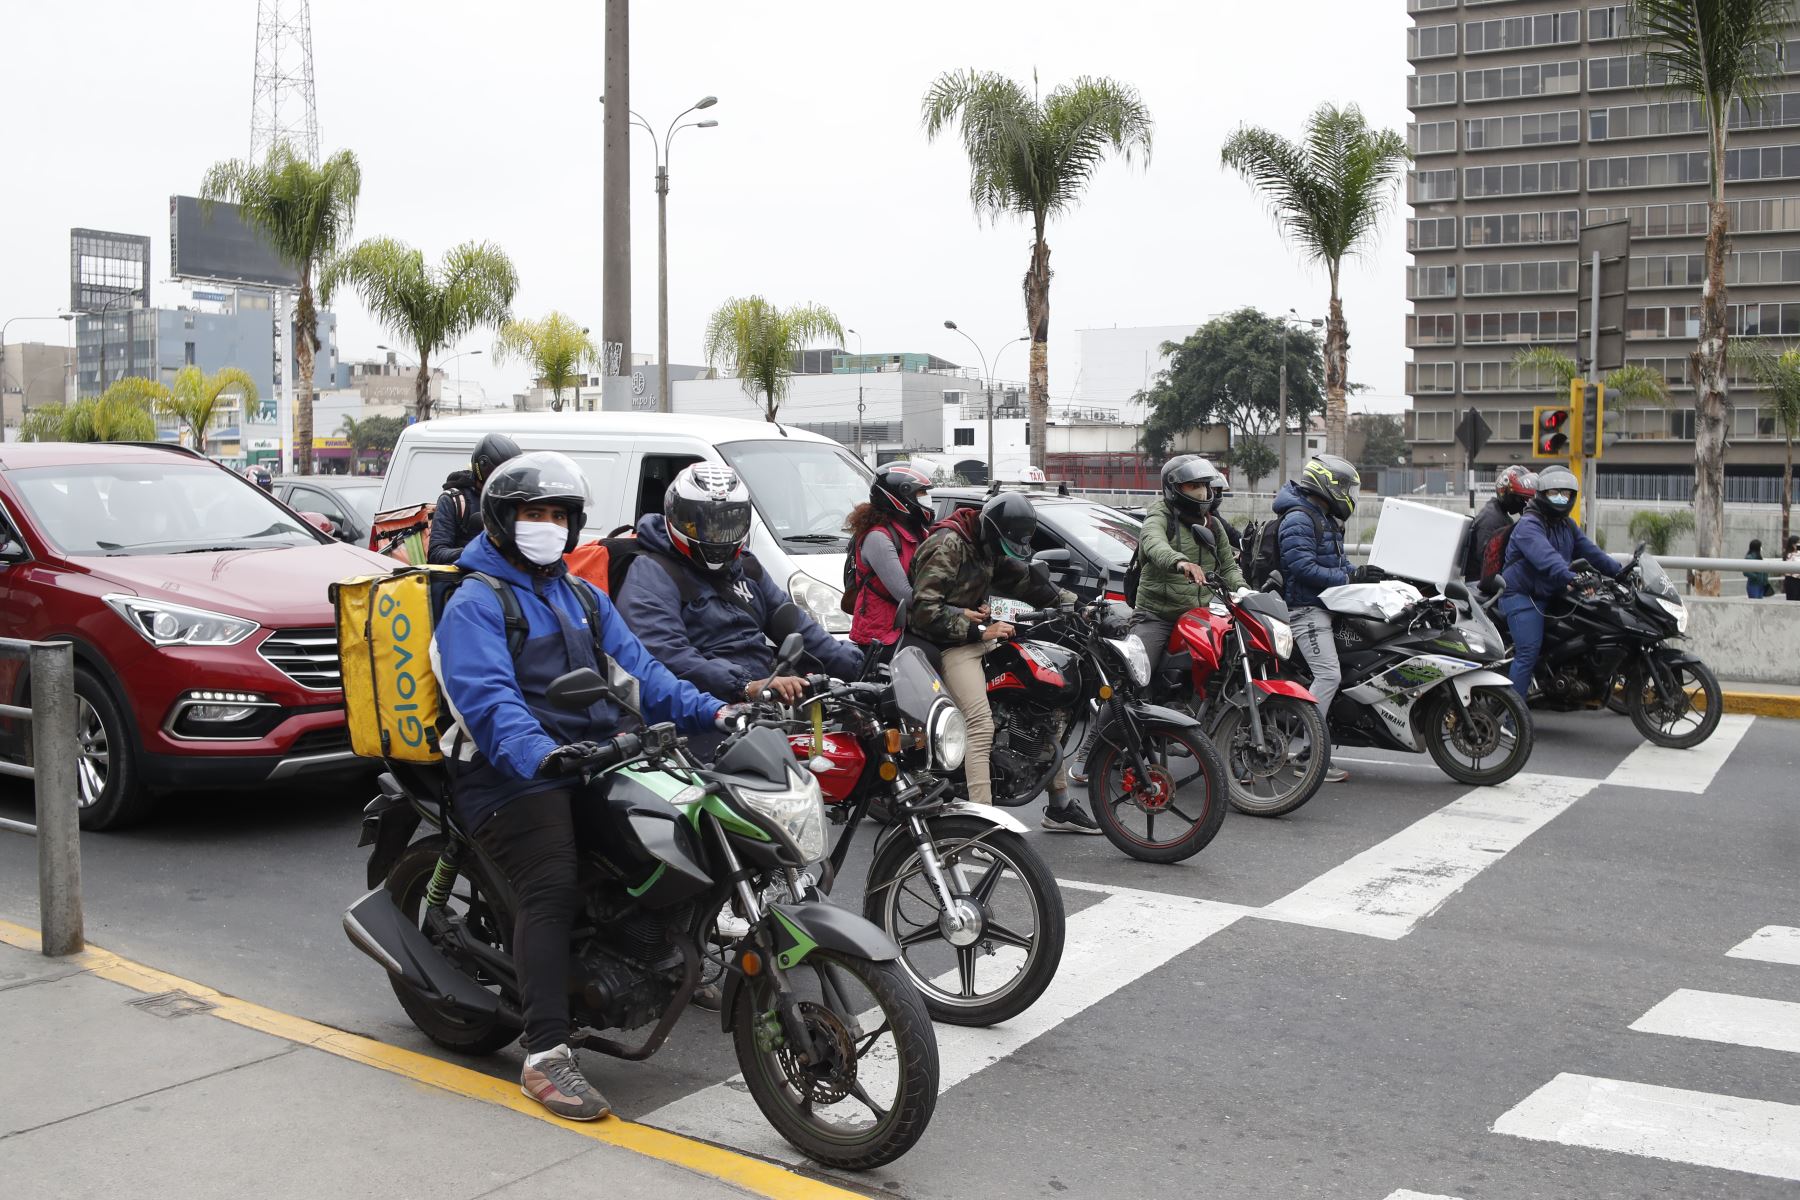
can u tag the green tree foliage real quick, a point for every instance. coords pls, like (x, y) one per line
(428, 307)
(556, 348)
(306, 213)
(194, 399)
(1630, 384)
(758, 342)
(1384, 441)
(1032, 156)
(1660, 529)
(119, 415)
(1779, 375)
(371, 437)
(1329, 193)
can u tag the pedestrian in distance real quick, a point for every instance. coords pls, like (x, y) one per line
(1790, 552)
(1756, 583)
(885, 533)
(457, 519)
(1312, 510)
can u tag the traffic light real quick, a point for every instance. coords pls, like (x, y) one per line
(1593, 417)
(1549, 431)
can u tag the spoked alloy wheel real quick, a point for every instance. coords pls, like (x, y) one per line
(93, 754)
(1490, 746)
(1006, 951)
(870, 1093)
(1289, 768)
(1683, 720)
(1173, 808)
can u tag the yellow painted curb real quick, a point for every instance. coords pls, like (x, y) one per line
(751, 1174)
(1763, 704)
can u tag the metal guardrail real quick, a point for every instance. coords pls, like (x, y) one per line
(1672, 562)
(52, 775)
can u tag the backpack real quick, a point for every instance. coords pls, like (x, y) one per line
(1265, 552)
(623, 551)
(1134, 570)
(1493, 556)
(854, 575)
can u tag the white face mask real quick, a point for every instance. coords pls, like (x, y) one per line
(540, 542)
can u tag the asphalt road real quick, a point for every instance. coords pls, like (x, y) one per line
(1346, 1002)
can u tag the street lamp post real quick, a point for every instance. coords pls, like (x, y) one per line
(859, 395)
(660, 150)
(989, 387)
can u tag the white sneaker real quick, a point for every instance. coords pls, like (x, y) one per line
(731, 927)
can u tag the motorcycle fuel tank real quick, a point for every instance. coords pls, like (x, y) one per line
(837, 766)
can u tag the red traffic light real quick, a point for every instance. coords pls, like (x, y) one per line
(1550, 436)
(1556, 418)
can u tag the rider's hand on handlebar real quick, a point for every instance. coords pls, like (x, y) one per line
(1367, 573)
(572, 759)
(976, 615)
(732, 717)
(786, 688)
(997, 631)
(1194, 572)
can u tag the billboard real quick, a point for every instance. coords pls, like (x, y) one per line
(108, 270)
(218, 247)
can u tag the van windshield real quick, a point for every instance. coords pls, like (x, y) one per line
(803, 490)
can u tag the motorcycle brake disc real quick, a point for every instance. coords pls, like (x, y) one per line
(829, 1082)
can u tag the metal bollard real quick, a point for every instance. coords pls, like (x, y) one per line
(53, 761)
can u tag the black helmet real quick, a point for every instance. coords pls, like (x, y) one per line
(1556, 479)
(708, 512)
(261, 478)
(541, 477)
(1333, 480)
(490, 452)
(896, 492)
(1180, 471)
(1007, 523)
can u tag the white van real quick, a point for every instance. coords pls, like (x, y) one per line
(803, 485)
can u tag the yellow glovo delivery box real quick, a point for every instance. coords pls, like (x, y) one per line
(384, 625)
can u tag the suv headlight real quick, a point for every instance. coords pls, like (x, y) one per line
(164, 624)
(1676, 609)
(1281, 636)
(949, 737)
(820, 600)
(798, 812)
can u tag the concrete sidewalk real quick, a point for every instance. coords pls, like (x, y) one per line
(111, 1089)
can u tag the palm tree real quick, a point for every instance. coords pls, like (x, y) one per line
(557, 349)
(1632, 383)
(1329, 193)
(1032, 156)
(430, 308)
(1722, 53)
(1779, 374)
(757, 342)
(305, 211)
(1660, 529)
(194, 398)
(120, 414)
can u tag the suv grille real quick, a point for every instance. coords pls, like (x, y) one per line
(307, 656)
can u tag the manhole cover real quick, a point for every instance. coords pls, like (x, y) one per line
(172, 1004)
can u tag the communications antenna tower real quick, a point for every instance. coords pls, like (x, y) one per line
(282, 105)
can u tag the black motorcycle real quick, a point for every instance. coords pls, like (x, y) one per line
(1607, 644)
(814, 998)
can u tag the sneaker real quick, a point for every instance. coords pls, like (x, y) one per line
(731, 927)
(1336, 774)
(708, 996)
(1069, 819)
(555, 1081)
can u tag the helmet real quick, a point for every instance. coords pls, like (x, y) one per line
(1333, 480)
(896, 492)
(708, 512)
(1182, 470)
(541, 477)
(1556, 479)
(260, 477)
(1007, 523)
(490, 452)
(1514, 487)
(1220, 486)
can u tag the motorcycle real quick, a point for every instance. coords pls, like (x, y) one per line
(1224, 666)
(1147, 761)
(1422, 675)
(814, 998)
(976, 913)
(1606, 646)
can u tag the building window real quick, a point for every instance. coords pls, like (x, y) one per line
(1433, 426)
(1431, 137)
(1667, 270)
(1522, 179)
(1505, 377)
(1424, 91)
(1519, 278)
(1751, 267)
(188, 353)
(1609, 23)
(1428, 187)
(1431, 233)
(1431, 329)
(1624, 71)
(1673, 371)
(1644, 120)
(1430, 283)
(1765, 162)
(1544, 325)
(963, 435)
(1430, 378)
(1522, 229)
(1527, 129)
(1762, 320)
(1413, 6)
(1534, 79)
(1655, 170)
(1431, 41)
(1520, 33)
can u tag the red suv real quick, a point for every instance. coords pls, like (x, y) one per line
(205, 648)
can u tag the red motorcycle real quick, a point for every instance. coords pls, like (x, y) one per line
(1224, 666)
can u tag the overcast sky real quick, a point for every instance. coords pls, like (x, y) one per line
(477, 120)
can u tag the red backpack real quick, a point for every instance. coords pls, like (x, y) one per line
(1493, 558)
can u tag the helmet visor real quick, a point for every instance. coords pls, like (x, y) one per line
(721, 525)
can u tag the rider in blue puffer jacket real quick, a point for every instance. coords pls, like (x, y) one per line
(1313, 509)
(1539, 554)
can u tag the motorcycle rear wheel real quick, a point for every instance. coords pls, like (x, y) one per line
(1279, 779)
(406, 882)
(1491, 710)
(1188, 782)
(1658, 722)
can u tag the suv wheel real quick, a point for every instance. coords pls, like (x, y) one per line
(106, 777)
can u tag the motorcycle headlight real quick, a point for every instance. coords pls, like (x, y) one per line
(949, 737)
(1676, 609)
(1131, 652)
(1281, 635)
(821, 601)
(798, 812)
(164, 624)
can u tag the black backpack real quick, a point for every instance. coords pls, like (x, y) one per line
(1265, 543)
(444, 587)
(621, 552)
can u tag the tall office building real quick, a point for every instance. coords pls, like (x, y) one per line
(1531, 118)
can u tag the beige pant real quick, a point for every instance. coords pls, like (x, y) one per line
(967, 683)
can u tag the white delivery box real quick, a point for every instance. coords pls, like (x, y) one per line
(1417, 541)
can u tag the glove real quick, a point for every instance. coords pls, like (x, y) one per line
(1368, 573)
(731, 717)
(565, 761)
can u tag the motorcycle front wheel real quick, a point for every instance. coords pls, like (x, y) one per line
(407, 882)
(1289, 768)
(1490, 746)
(868, 1095)
(1175, 809)
(1006, 952)
(1680, 722)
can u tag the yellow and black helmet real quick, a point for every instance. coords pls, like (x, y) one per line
(1333, 480)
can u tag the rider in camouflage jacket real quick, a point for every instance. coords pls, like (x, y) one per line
(954, 570)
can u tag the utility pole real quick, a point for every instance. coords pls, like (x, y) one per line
(662, 288)
(615, 250)
(1282, 437)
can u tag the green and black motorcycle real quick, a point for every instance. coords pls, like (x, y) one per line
(833, 1039)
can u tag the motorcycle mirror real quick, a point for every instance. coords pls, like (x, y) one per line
(1277, 583)
(784, 621)
(1054, 557)
(1204, 536)
(578, 690)
(1040, 574)
(792, 647)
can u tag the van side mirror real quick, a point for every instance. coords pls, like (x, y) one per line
(578, 690)
(1204, 536)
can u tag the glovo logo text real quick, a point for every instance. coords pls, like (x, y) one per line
(399, 629)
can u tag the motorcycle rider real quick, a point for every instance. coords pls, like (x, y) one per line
(1313, 509)
(457, 520)
(1176, 572)
(1544, 544)
(1221, 487)
(1514, 488)
(515, 760)
(885, 533)
(966, 556)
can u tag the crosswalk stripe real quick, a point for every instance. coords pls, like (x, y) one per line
(1108, 945)
(1387, 889)
(1403, 1194)
(1771, 943)
(1662, 769)
(1720, 1017)
(1756, 1136)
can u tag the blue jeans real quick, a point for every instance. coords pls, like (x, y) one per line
(1757, 591)
(1525, 621)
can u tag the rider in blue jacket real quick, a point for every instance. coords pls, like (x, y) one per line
(515, 760)
(1313, 509)
(1539, 554)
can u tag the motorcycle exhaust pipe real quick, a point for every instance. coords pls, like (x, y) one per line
(376, 926)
